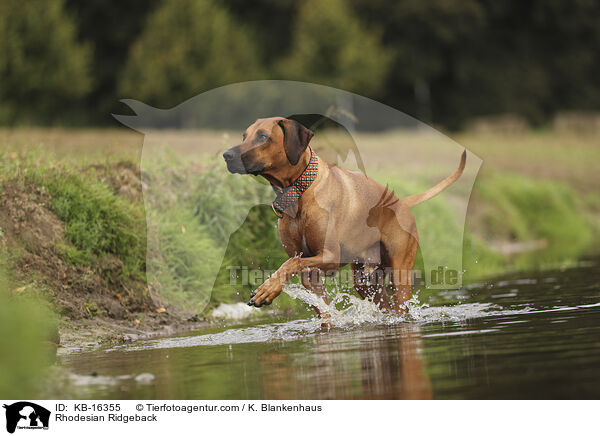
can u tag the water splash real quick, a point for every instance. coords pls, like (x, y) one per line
(346, 313)
(357, 311)
(235, 311)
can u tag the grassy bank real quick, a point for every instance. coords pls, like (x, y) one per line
(73, 222)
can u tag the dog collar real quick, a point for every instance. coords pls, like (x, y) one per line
(288, 197)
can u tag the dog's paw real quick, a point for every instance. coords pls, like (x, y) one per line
(326, 325)
(264, 303)
(264, 295)
(261, 304)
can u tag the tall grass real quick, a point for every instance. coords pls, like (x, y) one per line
(201, 223)
(181, 260)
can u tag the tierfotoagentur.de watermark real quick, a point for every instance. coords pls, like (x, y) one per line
(245, 276)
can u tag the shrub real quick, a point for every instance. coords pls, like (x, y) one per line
(188, 47)
(42, 65)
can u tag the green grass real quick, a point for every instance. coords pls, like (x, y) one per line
(97, 222)
(529, 210)
(518, 209)
(180, 272)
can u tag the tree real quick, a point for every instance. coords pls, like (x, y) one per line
(43, 68)
(111, 47)
(331, 47)
(425, 36)
(187, 47)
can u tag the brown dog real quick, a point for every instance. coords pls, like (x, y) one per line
(330, 217)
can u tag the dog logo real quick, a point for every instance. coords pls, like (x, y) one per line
(26, 415)
(273, 122)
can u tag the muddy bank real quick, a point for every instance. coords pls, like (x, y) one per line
(35, 246)
(89, 334)
(98, 299)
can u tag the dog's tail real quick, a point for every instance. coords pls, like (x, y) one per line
(413, 200)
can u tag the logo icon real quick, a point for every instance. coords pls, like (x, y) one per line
(26, 415)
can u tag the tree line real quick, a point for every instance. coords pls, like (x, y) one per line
(443, 61)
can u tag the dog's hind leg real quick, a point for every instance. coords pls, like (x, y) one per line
(371, 284)
(402, 256)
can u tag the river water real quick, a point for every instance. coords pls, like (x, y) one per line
(523, 336)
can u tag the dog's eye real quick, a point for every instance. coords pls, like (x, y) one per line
(263, 138)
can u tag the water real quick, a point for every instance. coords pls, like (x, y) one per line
(532, 335)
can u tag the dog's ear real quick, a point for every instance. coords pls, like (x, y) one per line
(295, 139)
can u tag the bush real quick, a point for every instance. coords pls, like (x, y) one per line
(331, 47)
(188, 47)
(42, 65)
(194, 217)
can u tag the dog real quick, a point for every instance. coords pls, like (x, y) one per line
(330, 217)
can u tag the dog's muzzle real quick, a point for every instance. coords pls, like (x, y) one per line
(236, 164)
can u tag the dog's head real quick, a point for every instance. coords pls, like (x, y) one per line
(268, 145)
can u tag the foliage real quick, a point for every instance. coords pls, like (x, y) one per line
(180, 272)
(111, 44)
(444, 61)
(42, 65)
(188, 47)
(195, 212)
(331, 46)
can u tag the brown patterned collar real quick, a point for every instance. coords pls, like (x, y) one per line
(288, 197)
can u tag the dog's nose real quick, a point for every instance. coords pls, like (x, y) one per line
(228, 155)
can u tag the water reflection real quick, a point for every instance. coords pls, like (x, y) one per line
(384, 363)
(520, 338)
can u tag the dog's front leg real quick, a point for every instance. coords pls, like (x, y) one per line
(328, 260)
